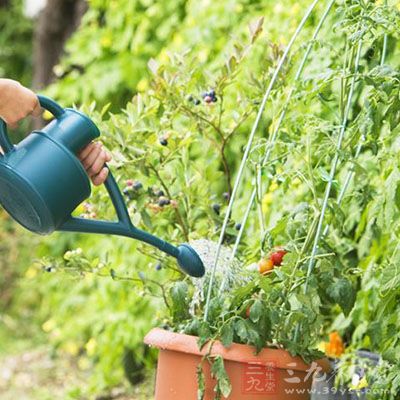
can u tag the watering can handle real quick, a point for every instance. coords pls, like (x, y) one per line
(123, 227)
(74, 224)
(46, 103)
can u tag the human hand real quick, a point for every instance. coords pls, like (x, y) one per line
(93, 158)
(17, 102)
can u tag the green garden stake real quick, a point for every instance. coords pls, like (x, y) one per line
(42, 182)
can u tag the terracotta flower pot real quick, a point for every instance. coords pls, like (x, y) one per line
(272, 374)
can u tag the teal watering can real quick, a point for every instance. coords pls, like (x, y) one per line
(42, 182)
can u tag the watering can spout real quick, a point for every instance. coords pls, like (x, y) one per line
(189, 261)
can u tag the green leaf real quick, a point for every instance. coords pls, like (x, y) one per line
(215, 309)
(241, 330)
(256, 310)
(218, 372)
(146, 219)
(343, 293)
(295, 303)
(204, 334)
(179, 297)
(255, 28)
(227, 334)
(200, 382)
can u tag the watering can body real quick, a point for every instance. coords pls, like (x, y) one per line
(42, 182)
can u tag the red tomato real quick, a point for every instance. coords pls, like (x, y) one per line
(277, 257)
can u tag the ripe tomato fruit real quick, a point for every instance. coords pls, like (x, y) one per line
(248, 312)
(265, 265)
(277, 257)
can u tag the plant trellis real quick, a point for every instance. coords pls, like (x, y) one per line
(316, 228)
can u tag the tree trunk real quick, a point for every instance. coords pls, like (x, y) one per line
(57, 21)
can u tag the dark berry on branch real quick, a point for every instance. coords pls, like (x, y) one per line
(137, 185)
(216, 208)
(163, 201)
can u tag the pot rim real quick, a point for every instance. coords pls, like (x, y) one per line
(182, 343)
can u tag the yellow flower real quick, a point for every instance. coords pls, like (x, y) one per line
(178, 40)
(295, 9)
(363, 383)
(164, 57)
(71, 348)
(202, 55)
(84, 363)
(49, 325)
(191, 21)
(91, 346)
(296, 181)
(106, 41)
(47, 115)
(266, 201)
(273, 186)
(31, 272)
(239, 8)
(143, 85)
(79, 210)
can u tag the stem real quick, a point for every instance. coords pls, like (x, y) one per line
(204, 119)
(223, 145)
(385, 38)
(178, 214)
(259, 192)
(227, 170)
(248, 148)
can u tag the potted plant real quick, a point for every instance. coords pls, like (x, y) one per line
(253, 337)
